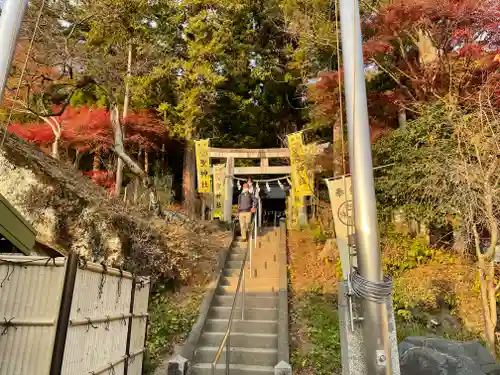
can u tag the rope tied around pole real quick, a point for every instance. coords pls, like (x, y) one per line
(375, 291)
(119, 291)
(103, 279)
(90, 325)
(11, 266)
(8, 324)
(53, 259)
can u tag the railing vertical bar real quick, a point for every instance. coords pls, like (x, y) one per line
(243, 298)
(228, 352)
(251, 257)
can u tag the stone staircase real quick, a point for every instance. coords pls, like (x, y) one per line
(254, 340)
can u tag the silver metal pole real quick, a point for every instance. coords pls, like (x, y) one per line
(251, 251)
(375, 323)
(260, 212)
(243, 297)
(10, 24)
(256, 232)
(228, 353)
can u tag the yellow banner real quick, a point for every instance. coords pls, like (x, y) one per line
(203, 166)
(219, 190)
(296, 205)
(300, 177)
(311, 152)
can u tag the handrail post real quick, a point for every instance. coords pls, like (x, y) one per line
(251, 251)
(243, 298)
(255, 231)
(228, 351)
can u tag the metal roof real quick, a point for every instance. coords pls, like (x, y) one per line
(15, 228)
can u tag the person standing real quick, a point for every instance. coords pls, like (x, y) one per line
(246, 206)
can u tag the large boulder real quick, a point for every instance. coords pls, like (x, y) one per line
(435, 356)
(69, 211)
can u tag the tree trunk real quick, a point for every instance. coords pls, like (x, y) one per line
(55, 147)
(96, 165)
(488, 304)
(133, 165)
(78, 159)
(402, 117)
(339, 156)
(120, 164)
(188, 179)
(163, 162)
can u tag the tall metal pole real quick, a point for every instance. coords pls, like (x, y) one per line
(10, 24)
(375, 322)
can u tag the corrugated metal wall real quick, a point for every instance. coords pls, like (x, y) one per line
(139, 322)
(100, 312)
(30, 296)
(31, 290)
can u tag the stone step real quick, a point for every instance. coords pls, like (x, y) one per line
(254, 289)
(263, 270)
(259, 257)
(233, 265)
(263, 273)
(239, 355)
(242, 326)
(251, 301)
(220, 369)
(239, 248)
(251, 282)
(243, 340)
(237, 257)
(223, 312)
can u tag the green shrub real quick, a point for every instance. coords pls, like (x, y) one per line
(171, 320)
(318, 313)
(403, 252)
(317, 233)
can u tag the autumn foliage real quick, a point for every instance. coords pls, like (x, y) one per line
(90, 128)
(420, 51)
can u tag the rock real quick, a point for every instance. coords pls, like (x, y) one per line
(68, 211)
(435, 356)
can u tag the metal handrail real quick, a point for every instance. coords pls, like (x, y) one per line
(241, 279)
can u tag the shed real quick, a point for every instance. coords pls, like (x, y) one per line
(15, 230)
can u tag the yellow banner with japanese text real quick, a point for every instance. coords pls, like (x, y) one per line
(203, 166)
(301, 180)
(219, 189)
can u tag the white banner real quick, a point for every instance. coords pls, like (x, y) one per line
(340, 191)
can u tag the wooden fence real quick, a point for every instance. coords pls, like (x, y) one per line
(67, 317)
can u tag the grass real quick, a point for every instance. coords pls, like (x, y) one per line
(319, 351)
(172, 316)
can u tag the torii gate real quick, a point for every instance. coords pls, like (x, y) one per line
(230, 154)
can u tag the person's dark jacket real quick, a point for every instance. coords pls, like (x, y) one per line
(246, 202)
